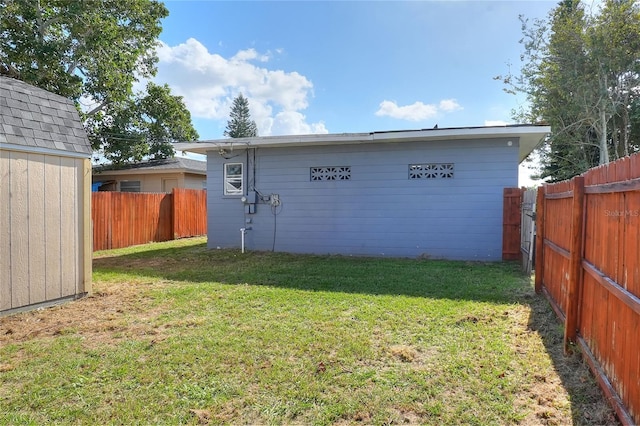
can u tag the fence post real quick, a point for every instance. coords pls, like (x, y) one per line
(540, 238)
(575, 263)
(175, 212)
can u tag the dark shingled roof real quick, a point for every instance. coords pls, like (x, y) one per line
(176, 163)
(34, 117)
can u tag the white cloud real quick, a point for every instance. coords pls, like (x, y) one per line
(249, 54)
(417, 111)
(449, 105)
(209, 83)
(294, 122)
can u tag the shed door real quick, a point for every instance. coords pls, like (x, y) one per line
(169, 184)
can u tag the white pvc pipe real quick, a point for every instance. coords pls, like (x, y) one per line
(242, 232)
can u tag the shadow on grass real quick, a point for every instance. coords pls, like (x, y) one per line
(458, 280)
(436, 279)
(588, 404)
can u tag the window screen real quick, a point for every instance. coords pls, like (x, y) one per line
(233, 182)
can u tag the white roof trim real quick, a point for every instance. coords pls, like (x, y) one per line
(41, 150)
(529, 137)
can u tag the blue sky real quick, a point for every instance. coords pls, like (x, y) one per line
(334, 66)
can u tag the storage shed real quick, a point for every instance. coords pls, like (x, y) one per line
(434, 193)
(45, 199)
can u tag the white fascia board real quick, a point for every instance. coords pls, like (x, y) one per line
(529, 137)
(274, 141)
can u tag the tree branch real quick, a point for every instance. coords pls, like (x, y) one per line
(72, 67)
(97, 109)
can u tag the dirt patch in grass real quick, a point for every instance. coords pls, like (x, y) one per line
(566, 385)
(404, 353)
(106, 317)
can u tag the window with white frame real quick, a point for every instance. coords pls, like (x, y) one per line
(233, 179)
(431, 171)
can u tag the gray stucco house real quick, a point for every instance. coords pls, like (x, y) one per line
(434, 193)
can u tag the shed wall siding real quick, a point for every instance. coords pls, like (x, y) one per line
(5, 233)
(42, 223)
(379, 211)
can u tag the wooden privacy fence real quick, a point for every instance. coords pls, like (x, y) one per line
(511, 203)
(189, 212)
(528, 232)
(588, 266)
(518, 210)
(123, 219)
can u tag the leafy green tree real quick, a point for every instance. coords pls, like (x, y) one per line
(93, 52)
(90, 49)
(240, 125)
(615, 43)
(579, 72)
(144, 126)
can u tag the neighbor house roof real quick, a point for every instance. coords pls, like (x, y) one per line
(35, 120)
(176, 164)
(530, 136)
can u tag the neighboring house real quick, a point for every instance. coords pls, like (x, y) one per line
(45, 199)
(151, 176)
(434, 193)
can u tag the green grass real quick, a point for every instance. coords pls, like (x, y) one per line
(179, 334)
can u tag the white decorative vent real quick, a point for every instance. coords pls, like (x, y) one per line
(431, 171)
(331, 173)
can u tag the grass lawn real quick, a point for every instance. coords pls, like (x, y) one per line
(179, 334)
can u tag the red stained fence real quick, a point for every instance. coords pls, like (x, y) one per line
(189, 213)
(588, 266)
(123, 219)
(511, 222)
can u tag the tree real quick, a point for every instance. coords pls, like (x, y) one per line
(92, 52)
(81, 48)
(144, 126)
(615, 38)
(579, 73)
(240, 125)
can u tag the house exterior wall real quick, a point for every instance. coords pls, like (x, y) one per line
(45, 227)
(153, 182)
(193, 181)
(379, 211)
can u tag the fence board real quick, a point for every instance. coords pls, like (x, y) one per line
(527, 230)
(189, 213)
(123, 219)
(605, 253)
(511, 220)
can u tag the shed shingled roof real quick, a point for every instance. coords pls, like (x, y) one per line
(34, 117)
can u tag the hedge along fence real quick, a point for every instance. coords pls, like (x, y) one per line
(123, 219)
(588, 266)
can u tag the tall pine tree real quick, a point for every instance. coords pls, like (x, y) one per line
(240, 125)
